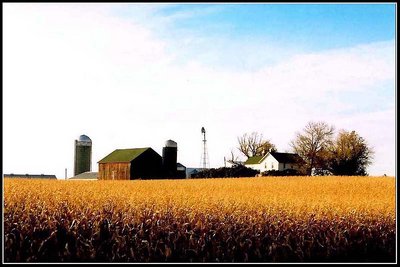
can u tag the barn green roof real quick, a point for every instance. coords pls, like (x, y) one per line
(123, 155)
(253, 160)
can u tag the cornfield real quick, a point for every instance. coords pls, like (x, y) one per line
(263, 219)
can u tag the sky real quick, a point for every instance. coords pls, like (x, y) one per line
(135, 75)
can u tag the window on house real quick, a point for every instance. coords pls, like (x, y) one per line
(272, 165)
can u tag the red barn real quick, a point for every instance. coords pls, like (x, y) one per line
(129, 164)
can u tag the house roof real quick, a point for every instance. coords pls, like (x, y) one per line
(253, 160)
(286, 157)
(280, 157)
(123, 155)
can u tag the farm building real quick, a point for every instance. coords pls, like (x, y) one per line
(88, 176)
(274, 161)
(192, 171)
(142, 163)
(82, 155)
(180, 171)
(29, 176)
(170, 167)
(128, 164)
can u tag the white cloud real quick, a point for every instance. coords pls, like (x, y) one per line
(70, 71)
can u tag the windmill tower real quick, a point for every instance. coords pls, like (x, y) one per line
(205, 164)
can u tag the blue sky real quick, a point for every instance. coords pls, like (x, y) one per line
(135, 75)
(295, 27)
(310, 26)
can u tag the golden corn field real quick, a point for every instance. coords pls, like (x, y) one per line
(263, 219)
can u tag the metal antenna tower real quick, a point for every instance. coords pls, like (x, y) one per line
(204, 156)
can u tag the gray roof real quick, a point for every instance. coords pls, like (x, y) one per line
(34, 176)
(85, 176)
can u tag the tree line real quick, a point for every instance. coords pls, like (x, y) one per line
(347, 153)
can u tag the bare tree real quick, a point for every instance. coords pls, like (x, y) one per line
(253, 144)
(234, 160)
(313, 145)
(350, 154)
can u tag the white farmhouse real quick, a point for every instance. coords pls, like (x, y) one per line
(274, 161)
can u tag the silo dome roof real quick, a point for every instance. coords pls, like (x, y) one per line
(170, 143)
(84, 138)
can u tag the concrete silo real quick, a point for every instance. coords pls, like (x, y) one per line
(169, 158)
(83, 155)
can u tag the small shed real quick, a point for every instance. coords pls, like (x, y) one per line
(180, 170)
(129, 164)
(192, 171)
